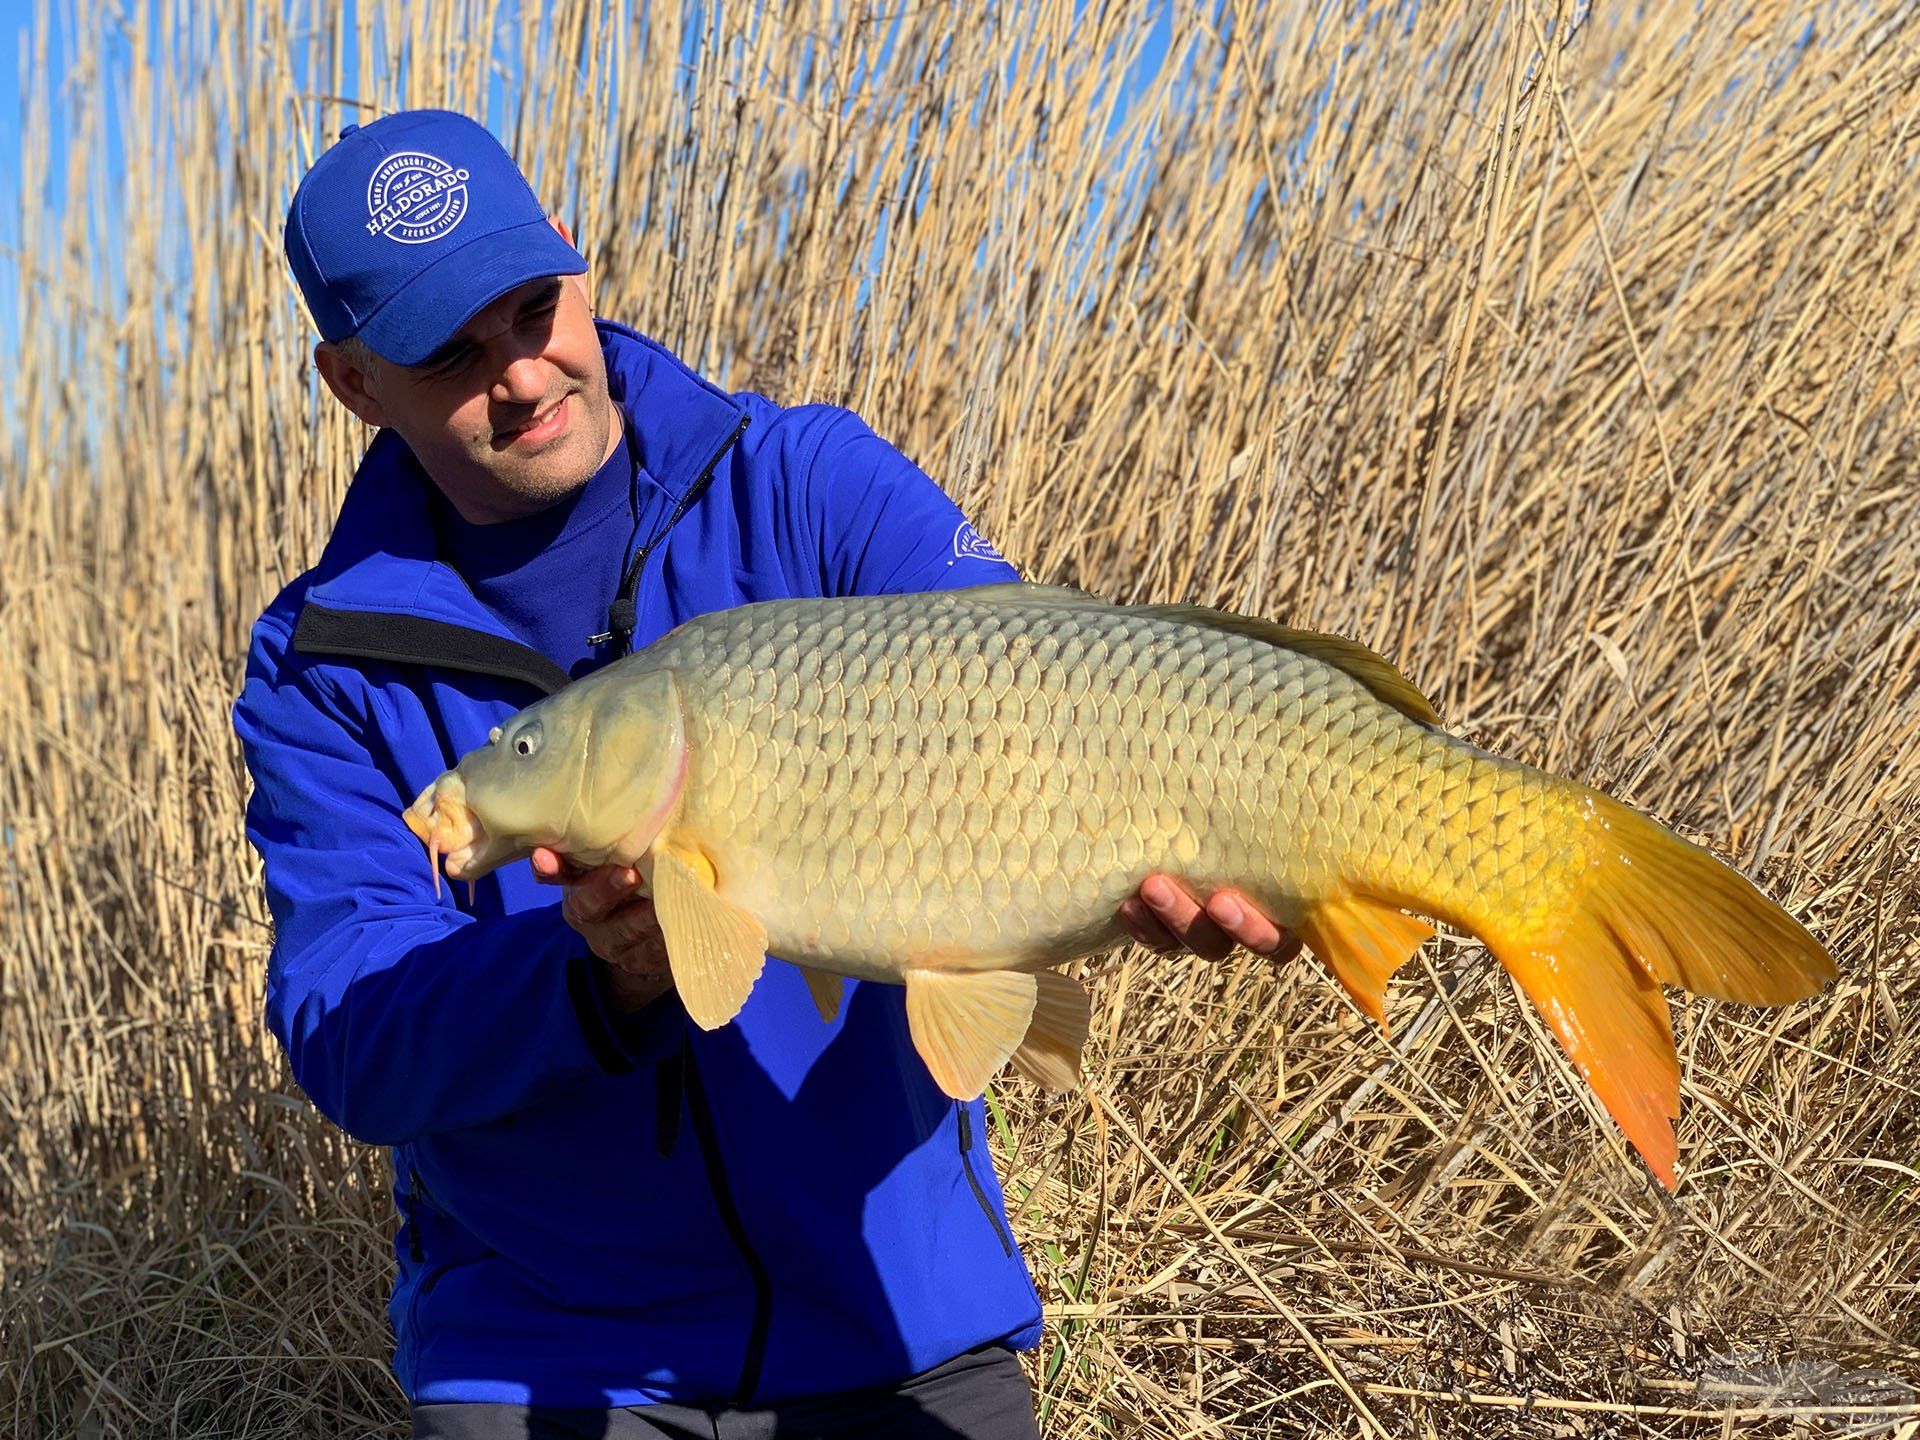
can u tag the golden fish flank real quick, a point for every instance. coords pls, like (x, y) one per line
(955, 791)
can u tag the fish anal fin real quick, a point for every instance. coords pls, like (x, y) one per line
(1050, 1054)
(825, 987)
(965, 1023)
(1611, 1019)
(1362, 941)
(715, 949)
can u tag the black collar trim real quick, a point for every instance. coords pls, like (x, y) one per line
(415, 640)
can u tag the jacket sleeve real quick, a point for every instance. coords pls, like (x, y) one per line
(883, 526)
(399, 1014)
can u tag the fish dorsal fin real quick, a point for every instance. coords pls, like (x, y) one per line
(1372, 670)
(1024, 592)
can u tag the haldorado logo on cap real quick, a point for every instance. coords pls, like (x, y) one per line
(414, 197)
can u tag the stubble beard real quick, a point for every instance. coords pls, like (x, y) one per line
(544, 480)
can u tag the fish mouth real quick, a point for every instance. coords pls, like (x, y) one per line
(443, 820)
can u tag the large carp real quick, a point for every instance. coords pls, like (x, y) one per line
(955, 791)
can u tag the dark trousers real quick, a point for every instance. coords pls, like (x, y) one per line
(981, 1395)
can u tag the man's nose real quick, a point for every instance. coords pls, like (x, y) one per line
(522, 380)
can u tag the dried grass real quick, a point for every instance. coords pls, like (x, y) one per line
(1577, 376)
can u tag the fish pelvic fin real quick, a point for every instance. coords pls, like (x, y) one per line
(1362, 941)
(1650, 909)
(715, 949)
(966, 1023)
(1050, 1054)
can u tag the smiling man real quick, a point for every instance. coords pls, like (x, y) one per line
(613, 1223)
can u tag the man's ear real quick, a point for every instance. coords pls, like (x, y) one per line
(585, 278)
(349, 383)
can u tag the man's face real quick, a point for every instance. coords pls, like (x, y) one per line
(508, 417)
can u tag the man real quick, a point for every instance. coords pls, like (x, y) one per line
(613, 1223)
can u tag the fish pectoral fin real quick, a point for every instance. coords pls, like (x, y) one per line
(1362, 941)
(965, 1023)
(1050, 1054)
(715, 949)
(825, 987)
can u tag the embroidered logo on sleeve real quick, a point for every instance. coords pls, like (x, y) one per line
(414, 197)
(968, 545)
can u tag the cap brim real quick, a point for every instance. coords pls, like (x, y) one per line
(429, 309)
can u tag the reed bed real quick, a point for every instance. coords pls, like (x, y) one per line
(1568, 358)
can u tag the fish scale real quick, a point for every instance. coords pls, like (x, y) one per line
(957, 791)
(1122, 705)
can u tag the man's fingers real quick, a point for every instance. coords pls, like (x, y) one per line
(640, 958)
(1184, 919)
(594, 894)
(1144, 928)
(633, 921)
(1237, 916)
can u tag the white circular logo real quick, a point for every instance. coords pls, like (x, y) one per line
(414, 197)
(968, 544)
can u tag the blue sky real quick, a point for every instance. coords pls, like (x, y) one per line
(18, 19)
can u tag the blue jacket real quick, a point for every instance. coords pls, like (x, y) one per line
(601, 1209)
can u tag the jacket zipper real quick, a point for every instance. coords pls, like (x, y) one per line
(414, 1252)
(709, 1142)
(979, 1191)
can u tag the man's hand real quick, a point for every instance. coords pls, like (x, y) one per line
(1167, 917)
(618, 925)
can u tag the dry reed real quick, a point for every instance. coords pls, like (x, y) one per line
(1569, 360)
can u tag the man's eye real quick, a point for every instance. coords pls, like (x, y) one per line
(453, 363)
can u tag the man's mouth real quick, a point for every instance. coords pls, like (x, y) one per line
(543, 427)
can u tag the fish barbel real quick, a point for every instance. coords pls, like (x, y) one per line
(955, 791)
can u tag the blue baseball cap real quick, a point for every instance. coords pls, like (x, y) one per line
(409, 226)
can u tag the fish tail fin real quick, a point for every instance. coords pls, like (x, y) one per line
(1646, 909)
(1612, 1021)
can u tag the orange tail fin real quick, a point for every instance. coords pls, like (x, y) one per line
(1653, 909)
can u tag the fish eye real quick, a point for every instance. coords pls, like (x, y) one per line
(526, 739)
